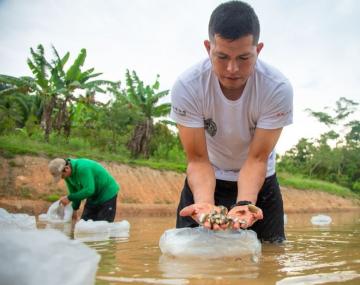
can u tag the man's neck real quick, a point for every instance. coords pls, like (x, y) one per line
(232, 94)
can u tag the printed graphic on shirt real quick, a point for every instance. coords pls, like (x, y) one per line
(179, 111)
(210, 127)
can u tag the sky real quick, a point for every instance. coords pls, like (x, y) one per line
(314, 43)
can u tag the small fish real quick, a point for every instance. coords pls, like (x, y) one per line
(253, 208)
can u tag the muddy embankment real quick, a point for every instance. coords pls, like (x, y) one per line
(25, 182)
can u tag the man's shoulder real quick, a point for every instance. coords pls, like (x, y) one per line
(78, 161)
(83, 163)
(197, 72)
(269, 74)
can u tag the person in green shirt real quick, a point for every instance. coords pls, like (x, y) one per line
(87, 179)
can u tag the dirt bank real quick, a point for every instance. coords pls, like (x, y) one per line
(25, 182)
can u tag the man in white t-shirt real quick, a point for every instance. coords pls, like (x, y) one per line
(230, 110)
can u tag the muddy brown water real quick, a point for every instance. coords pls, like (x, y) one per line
(311, 255)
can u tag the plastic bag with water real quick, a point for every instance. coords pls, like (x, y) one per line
(57, 213)
(203, 243)
(16, 221)
(36, 257)
(321, 220)
(101, 230)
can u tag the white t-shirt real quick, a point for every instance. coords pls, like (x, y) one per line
(198, 101)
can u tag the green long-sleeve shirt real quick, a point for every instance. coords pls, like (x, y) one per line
(89, 180)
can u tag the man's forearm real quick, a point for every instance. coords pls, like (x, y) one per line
(251, 179)
(201, 179)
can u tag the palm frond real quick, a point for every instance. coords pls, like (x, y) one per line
(158, 96)
(86, 75)
(167, 122)
(38, 74)
(75, 68)
(162, 110)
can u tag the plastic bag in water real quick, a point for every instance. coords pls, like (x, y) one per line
(244, 267)
(203, 243)
(16, 221)
(57, 213)
(101, 230)
(320, 220)
(45, 257)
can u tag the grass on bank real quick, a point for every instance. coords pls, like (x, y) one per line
(16, 144)
(303, 183)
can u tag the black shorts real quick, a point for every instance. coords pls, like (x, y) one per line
(103, 212)
(269, 199)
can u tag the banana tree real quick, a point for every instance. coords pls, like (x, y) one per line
(15, 102)
(44, 86)
(57, 86)
(145, 99)
(54, 87)
(67, 82)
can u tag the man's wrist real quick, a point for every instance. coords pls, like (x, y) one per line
(241, 203)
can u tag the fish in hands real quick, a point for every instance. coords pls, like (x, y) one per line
(218, 217)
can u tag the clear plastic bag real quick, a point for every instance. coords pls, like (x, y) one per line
(36, 257)
(16, 221)
(203, 243)
(101, 230)
(57, 213)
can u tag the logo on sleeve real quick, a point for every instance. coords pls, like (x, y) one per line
(210, 127)
(179, 111)
(282, 114)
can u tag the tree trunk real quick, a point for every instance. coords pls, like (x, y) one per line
(46, 117)
(139, 143)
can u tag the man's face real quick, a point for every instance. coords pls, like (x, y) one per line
(66, 172)
(233, 61)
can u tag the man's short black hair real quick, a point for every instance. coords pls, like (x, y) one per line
(234, 19)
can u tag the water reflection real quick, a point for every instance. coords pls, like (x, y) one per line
(192, 268)
(321, 278)
(311, 255)
(66, 228)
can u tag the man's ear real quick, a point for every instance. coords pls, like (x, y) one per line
(67, 168)
(259, 47)
(207, 45)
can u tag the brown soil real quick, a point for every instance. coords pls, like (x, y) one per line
(25, 182)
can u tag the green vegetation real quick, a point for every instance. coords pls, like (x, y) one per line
(51, 198)
(299, 182)
(55, 113)
(14, 144)
(335, 155)
(26, 192)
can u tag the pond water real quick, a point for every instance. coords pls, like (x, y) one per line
(311, 255)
